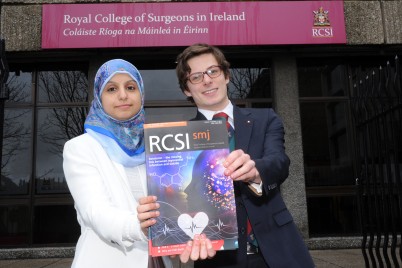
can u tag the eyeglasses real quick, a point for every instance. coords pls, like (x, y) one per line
(212, 72)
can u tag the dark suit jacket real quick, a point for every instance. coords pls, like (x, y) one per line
(260, 133)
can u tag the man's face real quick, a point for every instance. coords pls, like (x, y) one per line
(211, 93)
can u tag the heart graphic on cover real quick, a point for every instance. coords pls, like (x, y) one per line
(192, 226)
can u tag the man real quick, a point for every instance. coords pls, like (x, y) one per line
(258, 166)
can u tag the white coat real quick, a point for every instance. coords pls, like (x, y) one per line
(103, 201)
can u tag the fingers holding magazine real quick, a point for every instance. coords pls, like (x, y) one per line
(147, 212)
(198, 249)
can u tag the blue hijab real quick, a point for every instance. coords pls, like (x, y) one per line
(122, 140)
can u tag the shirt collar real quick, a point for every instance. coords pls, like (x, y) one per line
(228, 110)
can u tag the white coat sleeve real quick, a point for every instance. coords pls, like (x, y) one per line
(93, 200)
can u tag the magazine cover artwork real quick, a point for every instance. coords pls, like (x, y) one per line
(185, 171)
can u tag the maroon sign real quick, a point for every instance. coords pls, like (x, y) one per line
(182, 24)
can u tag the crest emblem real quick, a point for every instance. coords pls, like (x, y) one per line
(321, 17)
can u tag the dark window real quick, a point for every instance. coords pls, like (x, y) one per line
(46, 107)
(327, 157)
(14, 225)
(250, 83)
(16, 161)
(332, 215)
(161, 85)
(327, 148)
(55, 224)
(62, 87)
(19, 86)
(322, 80)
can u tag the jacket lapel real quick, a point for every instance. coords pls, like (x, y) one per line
(243, 128)
(199, 116)
(121, 179)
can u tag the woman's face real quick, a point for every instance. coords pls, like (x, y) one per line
(121, 97)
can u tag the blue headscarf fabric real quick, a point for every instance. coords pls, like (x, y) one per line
(122, 140)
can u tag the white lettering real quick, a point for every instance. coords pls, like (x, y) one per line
(111, 32)
(78, 32)
(169, 19)
(140, 18)
(112, 18)
(163, 142)
(194, 30)
(154, 141)
(322, 32)
(181, 141)
(153, 30)
(76, 20)
(227, 17)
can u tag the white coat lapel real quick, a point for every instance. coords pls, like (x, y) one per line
(121, 180)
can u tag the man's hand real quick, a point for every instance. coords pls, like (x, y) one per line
(240, 167)
(198, 249)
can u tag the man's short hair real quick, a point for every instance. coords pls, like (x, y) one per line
(183, 69)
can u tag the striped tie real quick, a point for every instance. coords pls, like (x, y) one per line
(224, 117)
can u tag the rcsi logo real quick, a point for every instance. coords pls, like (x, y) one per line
(322, 26)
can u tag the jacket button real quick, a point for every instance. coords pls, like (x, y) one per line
(242, 230)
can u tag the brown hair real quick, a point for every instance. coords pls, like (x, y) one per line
(183, 69)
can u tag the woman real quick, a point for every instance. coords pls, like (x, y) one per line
(105, 173)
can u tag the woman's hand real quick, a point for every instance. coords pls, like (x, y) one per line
(147, 212)
(198, 249)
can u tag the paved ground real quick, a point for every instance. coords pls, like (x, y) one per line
(342, 258)
(345, 258)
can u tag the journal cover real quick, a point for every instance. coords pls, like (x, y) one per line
(184, 163)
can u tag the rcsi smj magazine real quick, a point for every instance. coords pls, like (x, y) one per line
(185, 171)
